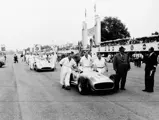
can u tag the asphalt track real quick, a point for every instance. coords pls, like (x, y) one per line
(30, 95)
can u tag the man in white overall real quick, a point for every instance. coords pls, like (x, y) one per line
(66, 63)
(52, 58)
(86, 62)
(26, 56)
(100, 64)
(44, 56)
(55, 59)
(31, 61)
(27, 60)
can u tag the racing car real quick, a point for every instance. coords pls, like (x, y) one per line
(87, 81)
(43, 65)
(2, 61)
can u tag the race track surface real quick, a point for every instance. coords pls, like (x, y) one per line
(30, 95)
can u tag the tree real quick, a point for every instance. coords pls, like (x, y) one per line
(28, 49)
(155, 33)
(46, 47)
(113, 28)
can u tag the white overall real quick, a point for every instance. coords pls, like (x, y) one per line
(86, 63)
(100, 65)
(31, 61)
(66, 71)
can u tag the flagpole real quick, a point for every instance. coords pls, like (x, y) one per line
(85, 15)
(94, 23)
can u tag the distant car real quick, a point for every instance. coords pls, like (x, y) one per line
(43, 65)
(2, 61)
(91, 81)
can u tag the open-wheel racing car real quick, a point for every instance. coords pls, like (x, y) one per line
(2, 61)
(43, 65)
(87, 81)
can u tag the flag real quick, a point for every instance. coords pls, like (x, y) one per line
(85, 13)
(94, 8)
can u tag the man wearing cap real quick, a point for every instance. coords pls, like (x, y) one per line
(100, 64)
(150, 69)
(86, 62)
(121, 65)
(66, 63)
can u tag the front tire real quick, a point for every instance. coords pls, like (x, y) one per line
(83, 87)
(71, 79)
(1, 65)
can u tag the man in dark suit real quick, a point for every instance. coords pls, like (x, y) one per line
(150, 69)
(121, 65)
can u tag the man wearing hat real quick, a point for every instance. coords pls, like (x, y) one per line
(150, 69)
(121, 65)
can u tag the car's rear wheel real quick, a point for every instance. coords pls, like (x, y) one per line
(71, 79)
(83, 87)
(0, 64)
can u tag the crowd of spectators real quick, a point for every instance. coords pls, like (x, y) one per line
(119, 42)
(131, 41)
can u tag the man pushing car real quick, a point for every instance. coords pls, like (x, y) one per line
(31, 61)
(67, 64)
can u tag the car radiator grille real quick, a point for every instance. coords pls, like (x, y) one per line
(101, 86)
(46, 68)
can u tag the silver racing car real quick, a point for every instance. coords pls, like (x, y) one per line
(90, 81)
(42, 65)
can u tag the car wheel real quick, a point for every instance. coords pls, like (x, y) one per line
(0, 64)
(71, 79)
(83, 88)
(113, 77)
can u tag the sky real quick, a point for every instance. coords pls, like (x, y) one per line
(24, 23)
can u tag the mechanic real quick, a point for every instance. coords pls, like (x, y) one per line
(44, 56)
(26, 56)
(31, 61)
(67, 64)
(55, 59)
(100, 64)
(86, 62)
(47, 57)
(52, 58)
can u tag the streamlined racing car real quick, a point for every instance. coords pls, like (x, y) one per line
(43, 65)
(2, 61)
(87, 81)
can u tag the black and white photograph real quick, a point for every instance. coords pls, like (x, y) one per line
(79, 60)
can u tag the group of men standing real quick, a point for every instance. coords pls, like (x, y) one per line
(121, 65)
(30, 58)
(86, 62)
(138, 58)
